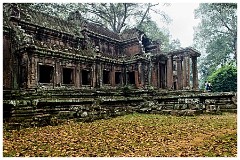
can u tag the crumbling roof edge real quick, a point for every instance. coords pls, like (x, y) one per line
(185, 50)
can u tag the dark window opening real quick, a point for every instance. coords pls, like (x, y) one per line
(67, 76)
(76, 43)
(106, 77)
(109, 49)
(40, 35)
(174, 85)
(7, 112)
(131, 77)
(116, 50)
(96, 42)
(118, 76)
(84, 45)
(23, 77)
(65, 39)
(45, 74)
(86, 77)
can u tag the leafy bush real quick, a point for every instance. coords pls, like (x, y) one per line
(224, 79)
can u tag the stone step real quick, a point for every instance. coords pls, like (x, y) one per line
(187, 112)
(23, 114)
(229, 110)
(23, 111)
(24, 108)
(42, 116)
(228, 106)
(167, 112)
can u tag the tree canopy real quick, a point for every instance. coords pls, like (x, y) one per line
(216, 35)
(115, 16)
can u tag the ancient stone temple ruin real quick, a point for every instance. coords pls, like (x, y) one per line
(49, 63)
(41, 51)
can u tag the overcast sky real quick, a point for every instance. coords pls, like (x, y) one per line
(181, 27)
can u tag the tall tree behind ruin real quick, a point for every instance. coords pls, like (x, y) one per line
(216, 35)
(115, 16)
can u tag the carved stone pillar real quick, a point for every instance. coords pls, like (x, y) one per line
(146, 72)
(136, 79)
(158, 75)
(94, 75)
(163, 76)
(195, 73)
(140, 79)
(99, 74)
(150, 73)
(125, 77)
(77, 77)
(33, 70)
(58, 74)
(188, 72)
(112, 76)
(179, 73)
(184, 72)
(169, 72)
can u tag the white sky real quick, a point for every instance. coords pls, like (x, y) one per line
(181, 27)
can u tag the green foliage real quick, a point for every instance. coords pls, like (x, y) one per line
(115, 16)
(216, 35)
(130, 136)
(224, 79)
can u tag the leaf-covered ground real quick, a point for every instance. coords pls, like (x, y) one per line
(130, 135)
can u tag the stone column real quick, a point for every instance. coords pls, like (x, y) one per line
(36, 59)
(77, 77)
(195, 73)
(99, 74)
(125, 74)
(169, 72)
(145, 74)
(58, 74)
(112, 76)
(122, 75)
(188, 72)
(80, 74)
(92, 73)
(184, 72)
(33, 71)
(150, 73)
(94, 77)
(158, 75)
(136, 79)
(140, 80)
(163, 76)
(179, 73)
(29, 71)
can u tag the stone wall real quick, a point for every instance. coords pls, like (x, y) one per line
(39, 108)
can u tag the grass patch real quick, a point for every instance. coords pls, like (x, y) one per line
(131, 136)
